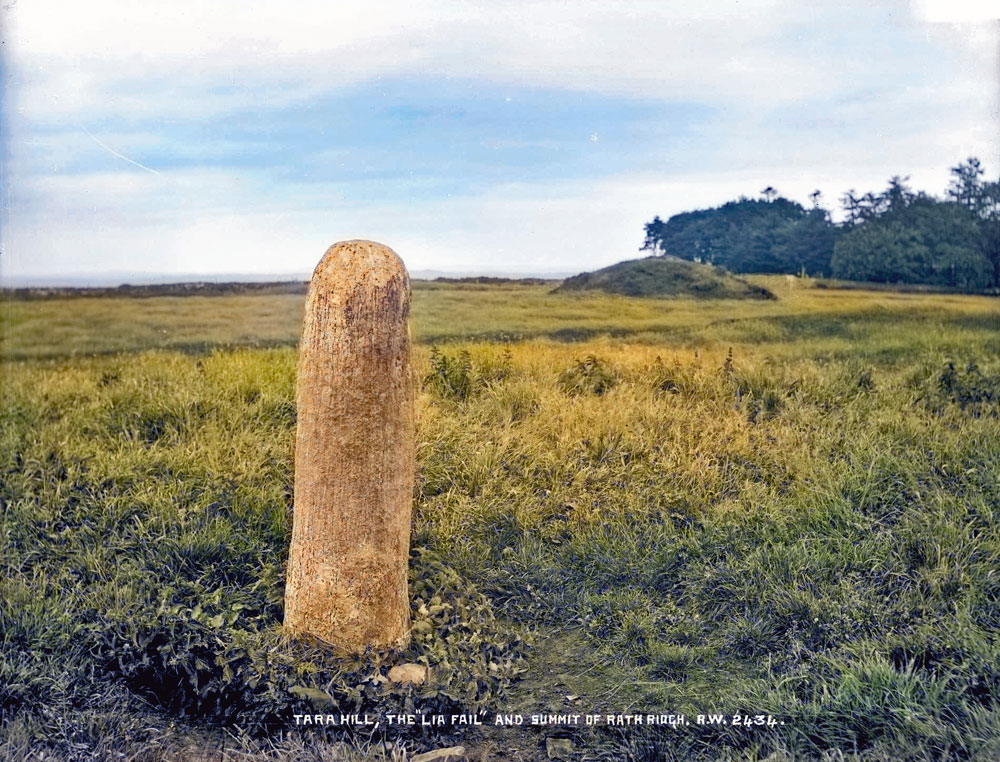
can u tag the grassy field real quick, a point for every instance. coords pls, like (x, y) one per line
(785, 509)
(449, 313)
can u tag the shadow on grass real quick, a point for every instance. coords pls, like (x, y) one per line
(190, 348)
(565, 335)
(848, 324)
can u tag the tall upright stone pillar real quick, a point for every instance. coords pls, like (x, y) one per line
(354, 453)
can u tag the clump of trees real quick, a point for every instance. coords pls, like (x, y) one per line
(769, 234)
(895, 236)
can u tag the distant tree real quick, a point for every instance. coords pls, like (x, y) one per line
(982, 199)
(902, 236)
(749, 235)
(896, 235)
(654, 236)
(807, 244)
(851, 204)
(896, 197)
(967, 187)
(881, 253)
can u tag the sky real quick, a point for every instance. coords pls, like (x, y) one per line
(525, 136)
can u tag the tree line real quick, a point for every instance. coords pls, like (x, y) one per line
(896, 236)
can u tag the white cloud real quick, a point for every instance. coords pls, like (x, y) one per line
(201, 58)
(958, 11)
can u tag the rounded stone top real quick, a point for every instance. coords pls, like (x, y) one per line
(359, 260)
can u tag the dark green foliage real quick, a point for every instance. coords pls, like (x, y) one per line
(866, 380)
(450, 377)
(970, 389)
(982, 199)
(456, 377)
(749, 236)
(896, 236)
(664, 276)
(919, 240)
(588, 376)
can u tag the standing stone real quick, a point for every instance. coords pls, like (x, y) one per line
(354, 453)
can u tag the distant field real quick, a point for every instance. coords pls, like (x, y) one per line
(449, 312)
(781, 508)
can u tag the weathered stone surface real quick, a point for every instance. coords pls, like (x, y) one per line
(354, 452)
(558, 748)
(413, 674)
(451, 754)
